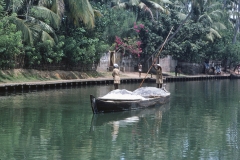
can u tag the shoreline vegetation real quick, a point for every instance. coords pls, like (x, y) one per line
(31, 75)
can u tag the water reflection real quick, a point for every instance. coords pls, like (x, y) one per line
(201, 122)
(123, 119)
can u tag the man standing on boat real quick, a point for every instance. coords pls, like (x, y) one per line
(116, 76)
(159, 76)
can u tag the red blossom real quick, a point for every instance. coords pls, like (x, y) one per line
(129, 46)
(141, 25)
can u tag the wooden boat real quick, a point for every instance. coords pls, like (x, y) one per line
(106, 105)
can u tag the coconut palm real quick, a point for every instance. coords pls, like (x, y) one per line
(38, 19)
(206, 11)
(80, 10)
(211, 17)
(35, 20)
(144, 5)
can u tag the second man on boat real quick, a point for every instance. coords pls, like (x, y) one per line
(116, 76)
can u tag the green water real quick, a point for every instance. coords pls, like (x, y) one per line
(200, 122)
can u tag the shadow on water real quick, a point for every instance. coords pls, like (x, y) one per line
(126, 117)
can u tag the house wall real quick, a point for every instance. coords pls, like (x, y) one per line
(104, 62)
(125, 62)
(191, 68)
(130, 63)
(168, 64)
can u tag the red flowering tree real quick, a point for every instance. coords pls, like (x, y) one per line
(130, 45)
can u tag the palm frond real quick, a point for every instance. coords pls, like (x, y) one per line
(215, 33)
(97, 13)
(46, 37)
(44, 13)
(217, 14)
(218, 26)
(81, 10)
(145, 8)
(39, 26)
(206, 16)
(157, 6)
(58, 7)
(212, 35)
(214, 5)
(25, 29)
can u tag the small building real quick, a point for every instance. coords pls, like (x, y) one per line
(125, 63)
(129, 63)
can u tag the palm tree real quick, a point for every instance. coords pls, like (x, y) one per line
(38, 19)
(144, 5)
(211, 17)
(206, 11)
(192, 9)
(80, 10)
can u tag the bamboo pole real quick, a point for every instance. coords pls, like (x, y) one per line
(155, 57)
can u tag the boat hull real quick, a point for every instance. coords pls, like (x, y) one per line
(107, 106)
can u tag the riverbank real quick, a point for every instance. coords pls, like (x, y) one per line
(13, 80)
(30, 76)
(23, 75)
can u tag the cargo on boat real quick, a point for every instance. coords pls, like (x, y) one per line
(124, 100)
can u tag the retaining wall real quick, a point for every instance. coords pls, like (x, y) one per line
(78, 82)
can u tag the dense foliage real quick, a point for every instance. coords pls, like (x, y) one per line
(76, 32)
(11, 47)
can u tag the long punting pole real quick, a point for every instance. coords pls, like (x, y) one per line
(154, 59)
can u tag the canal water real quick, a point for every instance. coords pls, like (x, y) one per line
(200, 122)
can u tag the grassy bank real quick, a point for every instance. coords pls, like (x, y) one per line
(23, 75)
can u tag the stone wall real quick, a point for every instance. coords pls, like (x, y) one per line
(168, 64)
(128, 62)
(191, 68)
